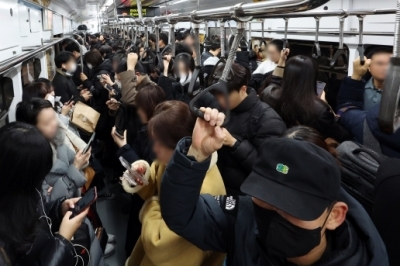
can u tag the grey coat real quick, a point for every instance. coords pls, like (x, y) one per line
(65, 179)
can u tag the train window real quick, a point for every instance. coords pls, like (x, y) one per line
(51, 67)
(30, 71)
(6, 95)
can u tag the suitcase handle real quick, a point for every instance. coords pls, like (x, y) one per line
(373, 154)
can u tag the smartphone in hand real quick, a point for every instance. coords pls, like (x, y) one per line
(132, 174)
(89, 144)
(120, 124)
(85, 202)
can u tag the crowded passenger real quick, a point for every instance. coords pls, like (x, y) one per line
(43, 88)
(163, 41)
(32, 232)
(157, 244)
(261, 76)
(251, 123)
(64, 86)
(296, 99)
(75, 50)
(360, 122)
(94, 42)
(210, 58)
(133, 79)
(263, 189)
(290, 216)
(141, 147)
(98, 67)
(380, 60)
(106, 52)
(65, 177)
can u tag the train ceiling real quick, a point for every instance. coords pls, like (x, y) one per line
(88, 9)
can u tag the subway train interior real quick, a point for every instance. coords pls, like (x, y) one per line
(199, 132)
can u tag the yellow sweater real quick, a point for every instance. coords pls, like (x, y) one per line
(159, 246)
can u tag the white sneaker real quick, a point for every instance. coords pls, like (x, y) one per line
(110, 250)
(111, 239)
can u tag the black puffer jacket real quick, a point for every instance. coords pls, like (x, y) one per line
(175, 91)
(49, 248)
(251, 123)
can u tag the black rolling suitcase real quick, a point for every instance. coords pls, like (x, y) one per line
(359, 168)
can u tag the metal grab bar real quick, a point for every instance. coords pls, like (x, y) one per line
(257, 10)
(340, 52)
(317, 47)
(285, 40)
(262, 42)
(222, 84)
(360, 42)
(27, 56)
(222, 60)
(223, 37)
(389, 113)
(198, 71)
(334, 13)
(232, 12)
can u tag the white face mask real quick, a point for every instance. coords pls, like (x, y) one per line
(71, 70)
(89, 66)
(184, 79)
(118, 83)
(51, 99)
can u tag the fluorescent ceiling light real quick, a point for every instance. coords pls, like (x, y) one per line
(179, 1)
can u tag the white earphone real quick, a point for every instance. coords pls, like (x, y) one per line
(49, 223)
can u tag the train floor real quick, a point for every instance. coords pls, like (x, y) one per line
(115, 218)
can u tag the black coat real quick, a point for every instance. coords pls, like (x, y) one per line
(100, 94)
(324, 121)
(139, 149)
(77, 75)
(175, 91)
(235, 163)
(65, 87)
(47, 249)
(386, 207)
(99, 99)
(212, 225)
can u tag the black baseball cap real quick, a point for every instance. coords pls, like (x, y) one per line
(294, 176)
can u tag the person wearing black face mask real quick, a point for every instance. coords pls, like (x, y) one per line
(296, 212)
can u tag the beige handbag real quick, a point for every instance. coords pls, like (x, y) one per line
(85, 117)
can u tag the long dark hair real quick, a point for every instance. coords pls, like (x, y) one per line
(34, 90)
(25, 160)
(311, 135)
(297, 103)
(28, 112)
